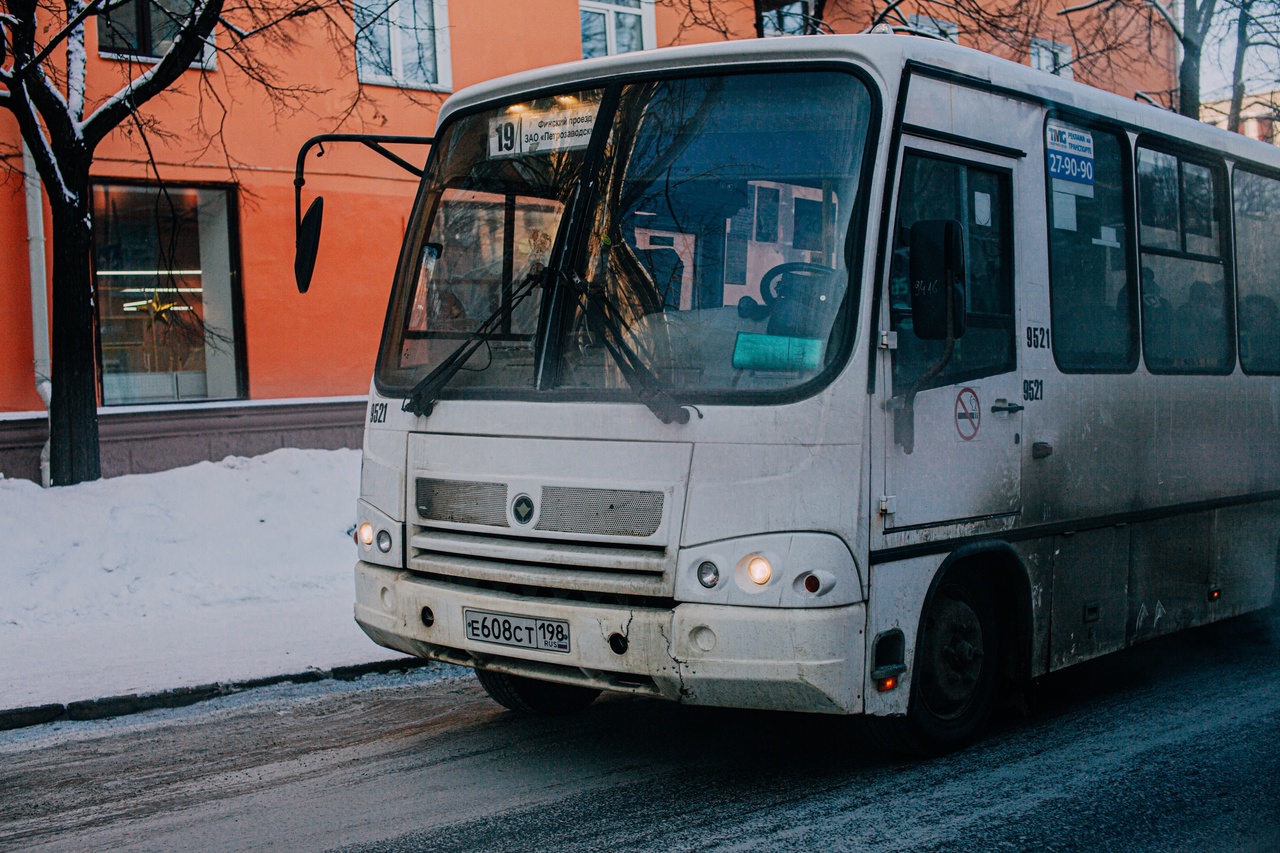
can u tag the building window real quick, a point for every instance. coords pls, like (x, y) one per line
(403, 43)
(788, 19)
(166, 306)
(1051, 56)
(615, 26)
(935, 27)
(145, 28)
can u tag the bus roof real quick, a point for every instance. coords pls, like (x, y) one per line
(884, 56)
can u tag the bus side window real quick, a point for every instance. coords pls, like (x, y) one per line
(1186, 305)
(977, 197)
(1093, 302)
(1257, 204)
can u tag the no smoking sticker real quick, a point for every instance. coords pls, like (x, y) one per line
(968, 413)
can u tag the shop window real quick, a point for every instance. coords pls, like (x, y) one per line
(403, 43)
(615, 26)
(1051, 56)
(144, 28)
(1095, 307)
(166, 302)
(1186, 304)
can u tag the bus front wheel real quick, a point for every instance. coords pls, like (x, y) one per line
(957, 659)
(956, 664)
(530, 696)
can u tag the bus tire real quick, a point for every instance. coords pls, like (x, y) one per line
(957, 663)
(530, 696)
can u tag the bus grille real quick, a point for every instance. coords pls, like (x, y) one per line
(462, 501)
(601, 512)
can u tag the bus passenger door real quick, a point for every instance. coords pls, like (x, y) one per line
(954, 422)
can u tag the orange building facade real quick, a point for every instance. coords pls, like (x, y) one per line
(201, 329)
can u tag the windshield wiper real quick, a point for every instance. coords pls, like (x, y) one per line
(602, 321)
(423, 397)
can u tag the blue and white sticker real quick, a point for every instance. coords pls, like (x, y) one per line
(1069, 154)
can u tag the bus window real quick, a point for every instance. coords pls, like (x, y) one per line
(1186, 306)
(496, 194)
(977, 197)
(1257, 203)
(719, 234)
(1094, 306)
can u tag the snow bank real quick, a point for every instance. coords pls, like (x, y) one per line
(219, 571)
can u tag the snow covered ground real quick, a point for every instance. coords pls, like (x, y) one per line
(221, 571)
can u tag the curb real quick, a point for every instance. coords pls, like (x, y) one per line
(180, 697)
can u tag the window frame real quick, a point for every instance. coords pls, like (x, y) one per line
(1224, 209)
(207, 61)
(444, 58)
(1129, 174)
(855, 248)
(648, 24)
(1055, 49)
(235, 263)
(938, 28)
(1008, 257)
(1267, 173)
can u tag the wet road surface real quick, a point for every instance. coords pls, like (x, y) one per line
(1174, 745)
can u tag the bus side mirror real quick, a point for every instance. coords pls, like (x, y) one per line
(307, 244)
(937, 279)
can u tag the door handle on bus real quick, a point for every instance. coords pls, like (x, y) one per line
(1003, 405)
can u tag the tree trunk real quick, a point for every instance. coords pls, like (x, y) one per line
(759, 9)
(73, 411)
(1237, 70)
(1189, 82)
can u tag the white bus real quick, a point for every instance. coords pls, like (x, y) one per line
(856, 375)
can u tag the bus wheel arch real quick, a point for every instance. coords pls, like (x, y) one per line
(973, 643)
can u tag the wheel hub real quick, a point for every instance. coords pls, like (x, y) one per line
(952, 657)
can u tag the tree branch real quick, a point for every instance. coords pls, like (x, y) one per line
(59, 36)
(187, 46)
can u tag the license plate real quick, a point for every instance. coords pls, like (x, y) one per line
(546, 635)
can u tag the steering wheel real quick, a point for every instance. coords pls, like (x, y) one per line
(771, 278)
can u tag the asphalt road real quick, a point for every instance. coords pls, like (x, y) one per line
(1171, 746)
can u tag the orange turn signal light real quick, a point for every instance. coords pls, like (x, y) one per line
(884, 685)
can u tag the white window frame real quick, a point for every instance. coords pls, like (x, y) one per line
(805, 10)
(207, 61)
(648, 26)
(939, 28)
(444, 63)
(1059, 57)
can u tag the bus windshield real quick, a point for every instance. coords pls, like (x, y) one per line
(715, 252)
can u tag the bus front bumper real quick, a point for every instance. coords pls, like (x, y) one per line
(787, 659)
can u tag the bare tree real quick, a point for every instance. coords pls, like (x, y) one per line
(1104, 45)
(43, 82)
(1253, 29)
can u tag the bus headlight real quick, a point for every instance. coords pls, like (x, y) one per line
(384, 541)
(759, 570)
(708, 574)
(366, 534)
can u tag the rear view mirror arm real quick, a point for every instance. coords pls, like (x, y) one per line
(370, 140)
(306, 229)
